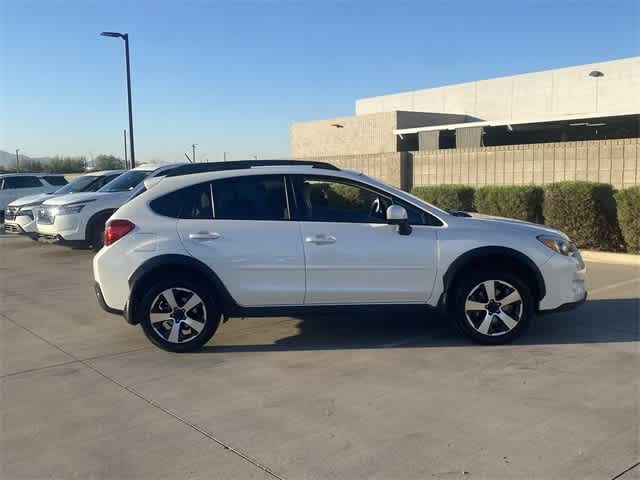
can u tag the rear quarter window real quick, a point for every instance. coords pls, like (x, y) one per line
(192, 202)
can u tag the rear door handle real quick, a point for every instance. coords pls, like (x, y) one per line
(204, 236)
(321, 239)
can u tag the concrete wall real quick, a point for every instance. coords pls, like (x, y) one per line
(388, 167)
(609, 161)
(557, 92)
(364, 134)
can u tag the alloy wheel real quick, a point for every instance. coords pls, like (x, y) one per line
(493, 308)
(178, 315)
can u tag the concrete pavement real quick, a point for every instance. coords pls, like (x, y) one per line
(83, 395)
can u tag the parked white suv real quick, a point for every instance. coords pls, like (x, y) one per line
(285, 237)
(80, 217)
(16, 185)
(20, 214)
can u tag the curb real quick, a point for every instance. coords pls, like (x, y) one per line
(608, 257)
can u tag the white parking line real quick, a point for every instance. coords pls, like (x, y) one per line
(614, 285)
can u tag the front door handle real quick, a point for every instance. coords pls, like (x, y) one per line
(204, 236)
(321, 239)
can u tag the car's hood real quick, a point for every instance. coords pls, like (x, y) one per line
(497, 222)
(31, 199)
(76, 198)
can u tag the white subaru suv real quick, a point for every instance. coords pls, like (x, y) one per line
(257, 238)
(79, 218)
(20, 215)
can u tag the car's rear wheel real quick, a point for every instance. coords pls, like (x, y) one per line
(492, 307)
(178, 315)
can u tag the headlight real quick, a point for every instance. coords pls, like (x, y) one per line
(68, 210)
(558, 245)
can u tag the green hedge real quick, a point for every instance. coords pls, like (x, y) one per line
(447, 197)
(629, 217)
(521, 202)
(586, 212)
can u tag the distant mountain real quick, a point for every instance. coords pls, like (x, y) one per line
(7, 158)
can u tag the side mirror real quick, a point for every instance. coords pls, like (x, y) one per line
(397, 215)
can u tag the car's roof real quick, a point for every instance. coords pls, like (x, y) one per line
(103, 173)
(193, 168)
(152, 167)
(40, 174)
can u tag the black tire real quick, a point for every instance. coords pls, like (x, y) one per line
(95, 232)
(470, 322)
(211, 322)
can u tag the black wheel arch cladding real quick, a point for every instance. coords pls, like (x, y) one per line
(492, 253)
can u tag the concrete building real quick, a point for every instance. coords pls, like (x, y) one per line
(585, 103)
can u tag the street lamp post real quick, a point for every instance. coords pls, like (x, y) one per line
(125, 37)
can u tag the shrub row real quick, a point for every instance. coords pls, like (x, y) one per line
(523, 203)
(447, 197)
(628, 201)
(592, 214)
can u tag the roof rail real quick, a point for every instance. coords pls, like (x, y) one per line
(242, 164)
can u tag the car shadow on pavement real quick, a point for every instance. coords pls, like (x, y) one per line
(597, 321)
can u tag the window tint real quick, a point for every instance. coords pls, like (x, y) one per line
(21, 182)
(335, 201)
(56, 180)
(193, 203)
(250, 198)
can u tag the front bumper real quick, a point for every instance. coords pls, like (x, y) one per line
(566, 307)
(21, 225)
(565, 283)
(17, 229)
(65, 227)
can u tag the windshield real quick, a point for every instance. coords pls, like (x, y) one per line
(126, 181)
(86, 183)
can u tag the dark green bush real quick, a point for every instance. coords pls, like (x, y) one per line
(523, 202)
(447, 197)
(586, 212)
(629, 217)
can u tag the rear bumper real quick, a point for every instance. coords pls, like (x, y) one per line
(102, 303)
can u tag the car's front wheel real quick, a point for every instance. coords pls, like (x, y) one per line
(178, 315)
(492, 307)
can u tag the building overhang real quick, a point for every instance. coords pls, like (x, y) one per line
(507, 123)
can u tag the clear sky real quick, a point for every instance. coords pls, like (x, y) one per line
(231, 76)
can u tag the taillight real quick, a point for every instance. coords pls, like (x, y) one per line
(115, 230)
